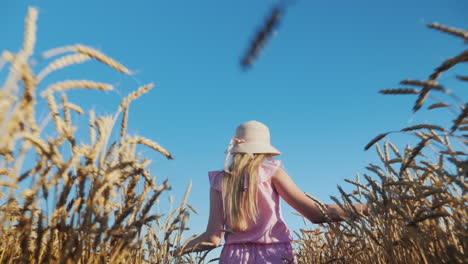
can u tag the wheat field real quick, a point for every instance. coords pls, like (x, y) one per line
(97, 214)
(417, 196)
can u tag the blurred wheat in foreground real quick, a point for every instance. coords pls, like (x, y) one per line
(76, 202)
(418, 197)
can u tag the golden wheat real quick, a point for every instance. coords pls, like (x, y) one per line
(63, 62)
(80, 84)
(414, 213)
(101, 57)
(88, 221)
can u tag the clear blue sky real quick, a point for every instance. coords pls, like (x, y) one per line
(315, 84)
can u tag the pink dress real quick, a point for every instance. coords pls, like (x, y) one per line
(267, 241)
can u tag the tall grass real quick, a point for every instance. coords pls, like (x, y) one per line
(85, 205)
(417, 196)
(89, 202)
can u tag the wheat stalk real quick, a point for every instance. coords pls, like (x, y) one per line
(53, 108)
(73, 84)
(453, 31)
(149, 143)
(422, 126)
(262, 36)
(73, 107)
(458, 121)
(63, 62)
(449, 63)
(30, 32)
(399, 91)
(134, 95)
(437, 105)
(101, 57)
(375, 140)
(429, 84)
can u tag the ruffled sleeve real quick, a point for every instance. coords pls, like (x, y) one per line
(215, 178)
(267, 169)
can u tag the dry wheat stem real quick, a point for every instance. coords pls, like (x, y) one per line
(149, 143)
(6, 57)
(268, 27)
(423, 126)
(80, 84)
(123, 125)
(134, 95)
(399, 91)
(453, 31)
(457, 122)
(449, 63)
(437, 105)
(30, 32)
(63, 62)
(59, 124)
(101, 57)
(73, 107)
(430, 84)
(375, 140)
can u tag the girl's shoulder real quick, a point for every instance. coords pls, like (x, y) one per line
(215, 178)
(268, 168)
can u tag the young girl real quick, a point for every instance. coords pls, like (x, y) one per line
(245, 205)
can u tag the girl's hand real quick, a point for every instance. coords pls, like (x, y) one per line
(297, 199)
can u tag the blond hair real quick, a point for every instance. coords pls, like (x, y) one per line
(240, 205)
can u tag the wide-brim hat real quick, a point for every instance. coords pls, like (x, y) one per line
(255, 148)
(251, 137)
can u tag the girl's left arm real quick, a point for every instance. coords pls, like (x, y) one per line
(213, 235)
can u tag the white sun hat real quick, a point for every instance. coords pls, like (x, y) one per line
(251, 137)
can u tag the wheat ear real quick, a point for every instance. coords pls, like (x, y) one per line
(430, 84)
(54, 112)
(437, 105)
(70, 84)
(123, 125)
(73, 107)
(30, 31)
(453, 31)
(458, 121)
(63, 62)
(422, 126)
(28, 101)
(37, 141)
(375, 140)
(449, 63)
(149, 143)
(399, 91)
(102, 58)
(8, 56)
(134, 95)
(6, 172)
(92, 127)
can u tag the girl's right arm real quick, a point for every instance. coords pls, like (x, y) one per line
(296, 198)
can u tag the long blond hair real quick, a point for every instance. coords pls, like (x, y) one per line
(240, 205)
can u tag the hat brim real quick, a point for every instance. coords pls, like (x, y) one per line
(250, 147)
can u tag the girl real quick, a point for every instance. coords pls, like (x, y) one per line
(245, 206)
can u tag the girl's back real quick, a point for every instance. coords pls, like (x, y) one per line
(267, 240)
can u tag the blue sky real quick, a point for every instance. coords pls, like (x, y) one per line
(315, 84)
